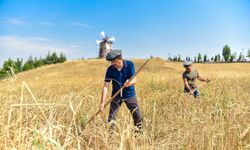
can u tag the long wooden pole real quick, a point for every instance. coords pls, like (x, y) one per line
(198, 87)
(118, 92)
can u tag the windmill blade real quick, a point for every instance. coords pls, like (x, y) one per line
(112, 39)
(98, 41)
(103, 34)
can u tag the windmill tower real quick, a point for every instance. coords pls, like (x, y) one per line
(105, 45)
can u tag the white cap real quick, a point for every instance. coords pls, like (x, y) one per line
(187, 63)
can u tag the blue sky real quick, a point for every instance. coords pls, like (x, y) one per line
(141, 27)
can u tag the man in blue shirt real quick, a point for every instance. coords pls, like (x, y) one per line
(119, 72)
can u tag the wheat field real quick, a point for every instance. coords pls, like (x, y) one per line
(46, 108)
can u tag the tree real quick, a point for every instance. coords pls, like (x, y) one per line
(19, 65)
(195, 59)
(188, 58)
(169, 57)
(9, 68)
(38, 62)
(216, 58)
(179, 57)
(29, 64)
(54, 58)
(219, 58)
(205, 58)
(48, 59)
(212, 59)
(226, 52)
(2, 74)
(241, 57)
(199, 58)
(248, 54)
(175, 58)
(62, 58)
(233, 57)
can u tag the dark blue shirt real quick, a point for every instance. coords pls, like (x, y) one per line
(120, 77)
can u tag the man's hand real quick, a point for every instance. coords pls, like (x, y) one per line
(127, 84)
(191, 93)
(102, 106)
(104, 94)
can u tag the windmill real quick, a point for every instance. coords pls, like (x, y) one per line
(105, 45)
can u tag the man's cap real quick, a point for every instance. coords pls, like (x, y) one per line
(109, 42)
(187, 63)
(106, 40)
(113, 54)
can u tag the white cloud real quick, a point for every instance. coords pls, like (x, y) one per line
(21, 22)
(17, 46)
(80, 24)
(18, 22)
(13, 21)
(45, 23)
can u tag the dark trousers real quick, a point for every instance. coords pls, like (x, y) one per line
(132, 106)
(196, 92)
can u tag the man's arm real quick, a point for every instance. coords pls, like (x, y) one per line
(131, 74)
(131, 83)
(202, 79)
(104, 95)
(187, 85)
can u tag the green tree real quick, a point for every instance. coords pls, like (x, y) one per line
(175, 58)
(19, 65)
(216, 58)
(188, 58)
(248, 54)
(226, 52)
(205, 58)
(48, 60)
(195, 60)
(9, 68)
(29, 64)
(241, 57)
(233, 57)
(2, 73)
(54, 58)
(219, 57)
(38, 62)
(169, 57)
(179, 57)
(199, 58)
(212, 59)
(62, 58)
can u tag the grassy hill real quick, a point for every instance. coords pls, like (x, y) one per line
(46, 107)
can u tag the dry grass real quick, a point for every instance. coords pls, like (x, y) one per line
(46, 107)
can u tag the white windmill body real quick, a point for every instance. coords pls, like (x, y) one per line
(105, 45)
